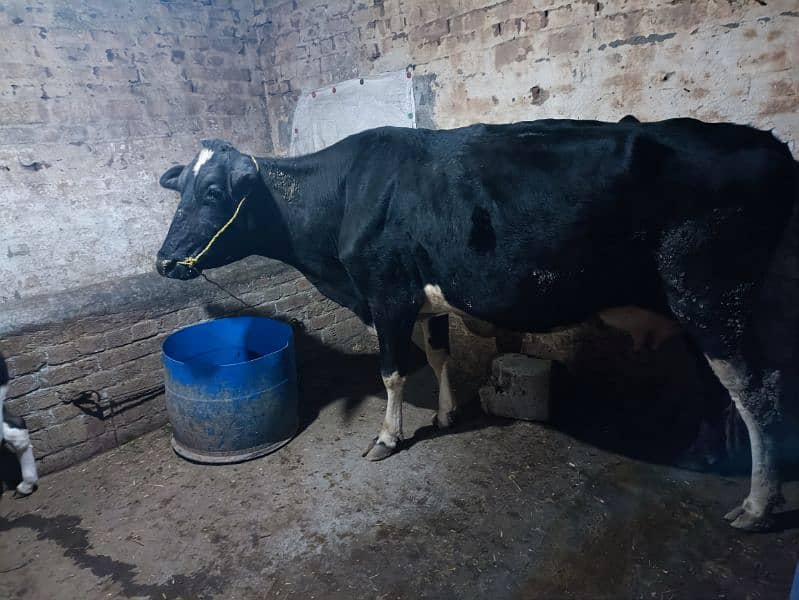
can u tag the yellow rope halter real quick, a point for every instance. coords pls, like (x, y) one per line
(191, 261)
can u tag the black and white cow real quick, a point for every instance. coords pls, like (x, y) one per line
(14, 434)
(527, 227)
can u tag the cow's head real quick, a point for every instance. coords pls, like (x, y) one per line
(213, 222)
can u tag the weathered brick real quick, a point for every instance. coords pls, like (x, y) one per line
(68, 372)
(14, 345)
(74, 431)
(124, 354)
(175, 320)
(431, 32)
(99, 324)
(58, 355)
(292, 302)
(118, 337)
(102, 379)
(38, 420)
(321, 321)
(341, 314)
(132, 386)
(73, 454)
(38, 400)
(20, 386)
(143, 329)
(342, 331)
(23, 364)
(90, 344)
(150, 421)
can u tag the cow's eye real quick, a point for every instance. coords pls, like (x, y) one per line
(213, 193)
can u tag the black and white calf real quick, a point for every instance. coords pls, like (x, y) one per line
(14, 435)
(527, 227)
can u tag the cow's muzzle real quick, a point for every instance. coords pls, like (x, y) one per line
(164, 266)
(173, 269)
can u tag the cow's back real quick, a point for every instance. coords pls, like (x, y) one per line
(556, 218)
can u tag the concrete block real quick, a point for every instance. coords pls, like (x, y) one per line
(518, 388)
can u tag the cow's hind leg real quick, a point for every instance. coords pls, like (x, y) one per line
(756, 395)
(436, 344)
(714, 287)
(394, 336)
(754, 379)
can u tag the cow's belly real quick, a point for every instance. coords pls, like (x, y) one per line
(644, 326)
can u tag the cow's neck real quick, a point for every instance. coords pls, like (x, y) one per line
(301, 212)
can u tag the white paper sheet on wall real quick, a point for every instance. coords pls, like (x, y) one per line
(323, 117)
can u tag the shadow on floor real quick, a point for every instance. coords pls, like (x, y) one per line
(653, 420)
(327, 375)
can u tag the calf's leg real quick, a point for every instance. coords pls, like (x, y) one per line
(19, 441)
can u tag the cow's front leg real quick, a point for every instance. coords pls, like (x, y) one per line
(385, 444)
(394, 336)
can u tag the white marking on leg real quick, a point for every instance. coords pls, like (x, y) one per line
(203, 157)
(392, 425)
(19, 441)
(30, 478)
(446, 400)
(764, 492)
(438, 359)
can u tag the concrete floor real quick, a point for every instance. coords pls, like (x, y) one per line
(495, 509)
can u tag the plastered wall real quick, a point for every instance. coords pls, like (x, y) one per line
(490, 61)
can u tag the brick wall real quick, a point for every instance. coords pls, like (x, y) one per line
(97, 99)
(101, 345)
(510, 60)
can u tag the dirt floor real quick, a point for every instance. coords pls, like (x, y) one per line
(494, 509)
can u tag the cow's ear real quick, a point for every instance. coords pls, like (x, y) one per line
(243, 175)
(169, 179)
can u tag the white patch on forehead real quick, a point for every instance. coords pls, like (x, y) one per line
(202, 158)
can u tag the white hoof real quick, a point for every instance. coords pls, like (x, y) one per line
(26, 489)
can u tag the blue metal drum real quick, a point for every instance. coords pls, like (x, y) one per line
(231, 388)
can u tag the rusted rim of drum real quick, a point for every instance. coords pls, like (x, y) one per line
(220, 458)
